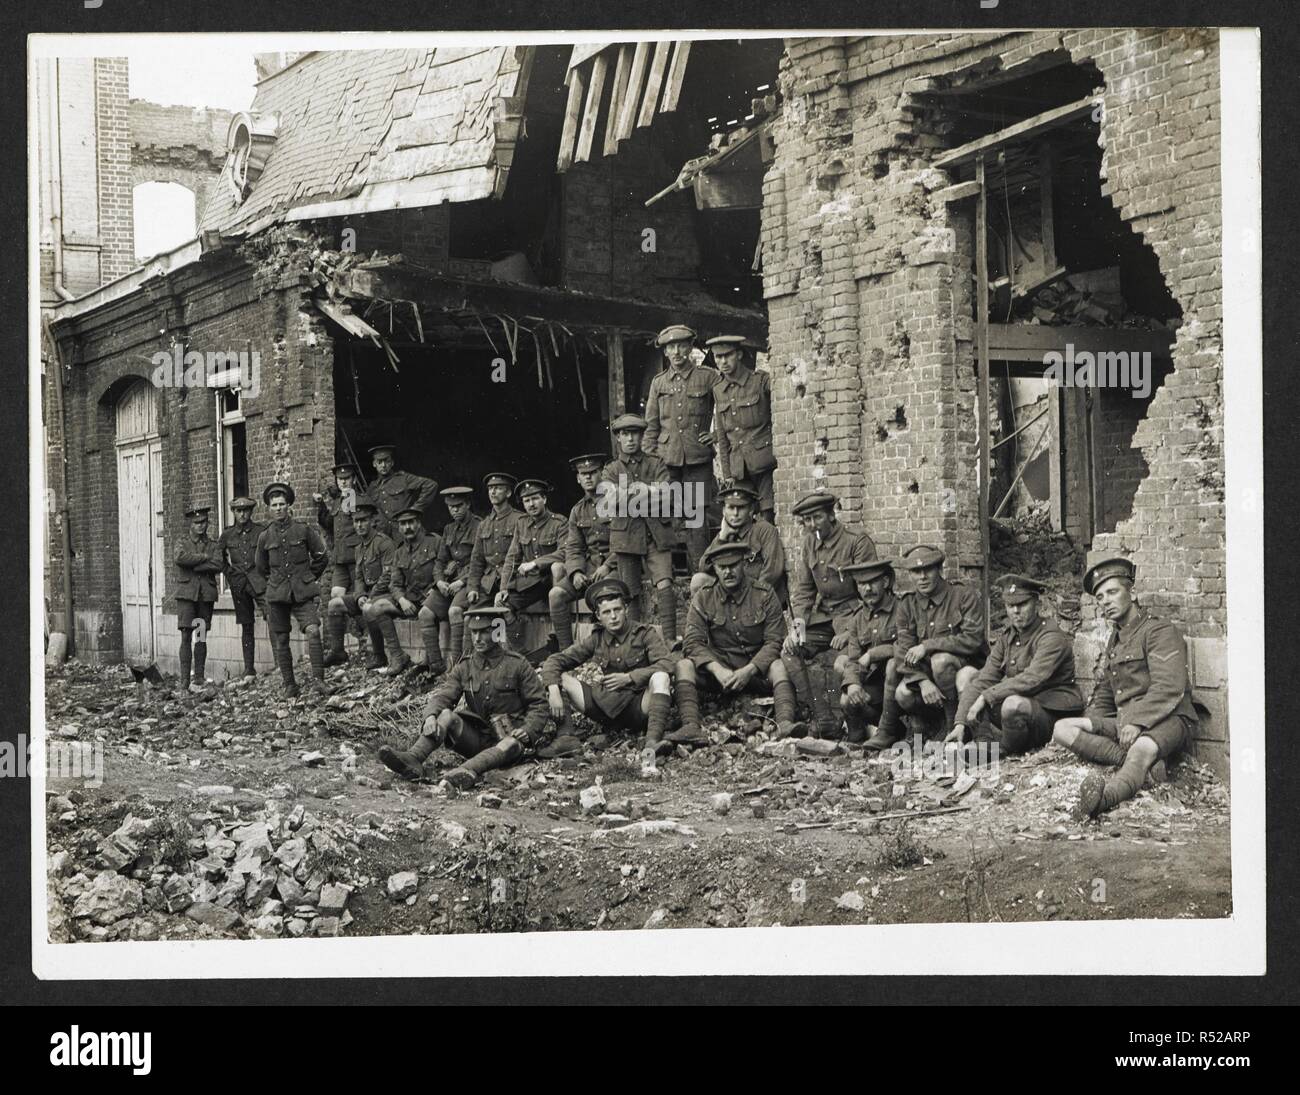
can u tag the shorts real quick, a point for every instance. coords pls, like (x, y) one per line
(618, 710)
(189, 611)
(469, 734)
(522, 598)
(244, 602)
(632, 567)
(1170, 734)
(304, 612)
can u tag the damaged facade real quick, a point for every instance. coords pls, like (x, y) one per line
(388, 226)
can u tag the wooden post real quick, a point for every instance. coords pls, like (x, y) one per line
(982, 367)
(588, 128)
(1055, 476)
(1046, 206)
(572, 113)
(617, 391)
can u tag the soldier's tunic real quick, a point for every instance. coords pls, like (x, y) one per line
(743, 405)
(639, 651)
(334, 515)
(198, 562)
(375, 560)
(678, 409)
(586, 545)
(415, 569)
(498, 683)
(458, 539)
(765, 559)
(1144, 682)
(1038, 664)
(291, 557)
(820, 593)
(950, 620)
(491, 544)
(238, 548)
(537, 539)
(637, 540)
(735, 628)
(399, 490)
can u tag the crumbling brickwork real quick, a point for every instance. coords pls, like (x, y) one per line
(178, 144)
(870, 312)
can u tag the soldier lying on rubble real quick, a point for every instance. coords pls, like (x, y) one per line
(503, 707)
(634, 692)
(1141, 709)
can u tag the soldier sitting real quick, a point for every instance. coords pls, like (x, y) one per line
(866, 663)
(415, 569)
(1141, 709)
(633, 693)
(733, 633)
(490, 708)
(1027, 681)
(375, 555)
(449, 597)
(765, 559)
(940, 638)
(587, 557)
(534, 563)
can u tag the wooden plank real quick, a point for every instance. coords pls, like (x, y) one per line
(584, 51)
(957, 193)
(729, 190)
(1030, 341)
(617, 383)
(616, 94)
(635, 84)
(658, 67)
(676, 74)
(1046, 165)
(1056, 485)
(1096, 471)
(592, 111)
(569, 134)
(982, 369)
(1021, 131)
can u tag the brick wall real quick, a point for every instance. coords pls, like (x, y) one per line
(217, 305)
(867, 281)
(178, 144)
(113, 122)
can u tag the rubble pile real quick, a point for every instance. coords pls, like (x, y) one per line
(1026, 543)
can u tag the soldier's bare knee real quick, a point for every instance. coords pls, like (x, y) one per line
(905, 696)
(558, 573)
(965, 675)
(777, 672)
(1016, 705)
(1065, 731)
(944, 665)
(663, 583)
(699, 581)
(686, 670)
(556, 598)
(426, 615)
(455, 614)
(660, 685)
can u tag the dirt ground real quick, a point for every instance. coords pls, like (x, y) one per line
(238, 814)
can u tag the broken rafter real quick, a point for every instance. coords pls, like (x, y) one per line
(658, 69)
(1021, 131)
(592, 111)
(572, 110)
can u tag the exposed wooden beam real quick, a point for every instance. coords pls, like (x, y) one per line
(957, 193)
(617, 383)
(1021, 131)
(616, 96)
(658, 69)
(982, 369)
(572, 110)
(1030, 341)
(676, 74)
(635, 85)
(1045, 204)
(592, 111)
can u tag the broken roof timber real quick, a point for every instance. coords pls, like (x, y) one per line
(1021, 131)
(392, 282)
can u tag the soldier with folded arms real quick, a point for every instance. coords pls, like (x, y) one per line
(238, 544)
(1141, 710)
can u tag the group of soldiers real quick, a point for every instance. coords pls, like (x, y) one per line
(752, 626)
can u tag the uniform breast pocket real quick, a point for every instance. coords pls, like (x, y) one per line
(295, 548)
(748, 413)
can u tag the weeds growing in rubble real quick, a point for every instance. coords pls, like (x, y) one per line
(617, 768)
(974, 883)
(175, 831)
(899, 848)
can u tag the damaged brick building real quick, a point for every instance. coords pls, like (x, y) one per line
(906, 224)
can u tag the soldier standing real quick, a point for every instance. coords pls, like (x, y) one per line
(940, 634)
(534, 562)
(491, 545)
(490, 708)
(866, 664)
(416, 567)
(238, 544)
(634, 691)
(372, 573)
(450, 594)
(765, 559)
(743, 401)
(1141, 710)
(733, 642)
(822, 598)
(678, 416)
(291, 557)
(393, 490)
(198, 562)
(334, 512)
(644, 541)
(1027, 681)
(587, 557)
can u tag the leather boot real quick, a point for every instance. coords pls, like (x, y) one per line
(666, 603)
(855, 720)
(783, 709)
(337, 624)
(376, 659)
(249, 647)
(398, 660)
(432, 652)
(1097, 795)
(503, 753)
(1099, 748)
(408, 763)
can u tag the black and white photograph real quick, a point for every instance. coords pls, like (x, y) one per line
(646, 503)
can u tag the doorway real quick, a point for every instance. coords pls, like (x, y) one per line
(140, 520)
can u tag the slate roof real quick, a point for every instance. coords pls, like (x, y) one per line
(376, 129)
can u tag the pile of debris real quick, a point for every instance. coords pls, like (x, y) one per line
(1090, 298)
(1025, 543)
